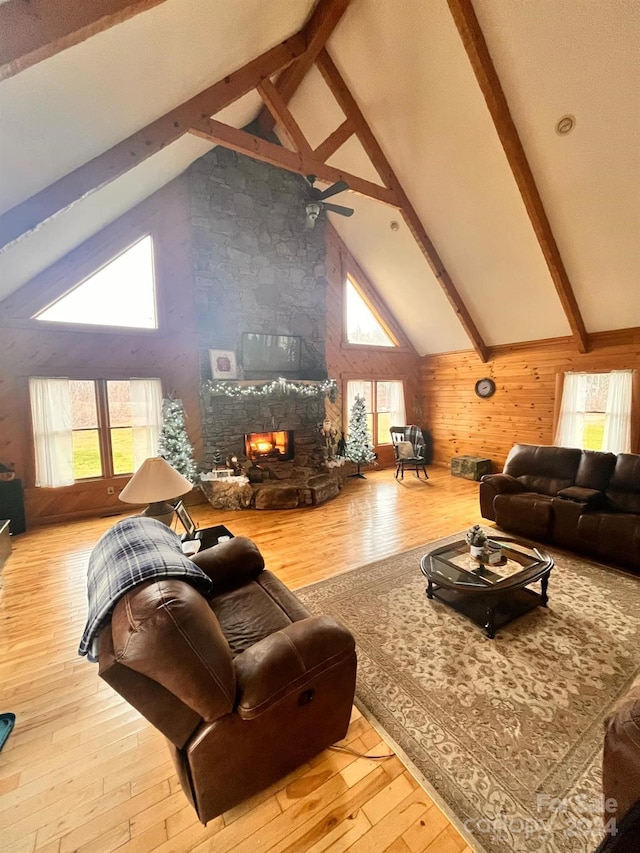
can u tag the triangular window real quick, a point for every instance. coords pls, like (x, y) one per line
(122, 293)
(363, 327)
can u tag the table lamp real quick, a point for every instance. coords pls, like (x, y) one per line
(155, 482)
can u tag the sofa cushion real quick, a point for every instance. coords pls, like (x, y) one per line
(623, 494)
(255, 610)
(542, 469)
(595, 470)
(528, 514)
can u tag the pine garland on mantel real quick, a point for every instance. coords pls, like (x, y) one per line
(276, 388)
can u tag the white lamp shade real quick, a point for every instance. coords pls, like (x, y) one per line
(155, 480)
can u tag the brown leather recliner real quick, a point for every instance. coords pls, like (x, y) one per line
(621, 774)
(245, 685)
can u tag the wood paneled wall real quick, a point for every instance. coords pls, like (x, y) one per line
(31, 348)
(522, 408)
(346, 361)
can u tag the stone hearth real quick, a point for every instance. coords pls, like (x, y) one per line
(304, 480)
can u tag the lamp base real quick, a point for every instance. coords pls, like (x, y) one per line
(161, 511)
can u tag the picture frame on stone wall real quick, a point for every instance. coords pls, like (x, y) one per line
(223, 364)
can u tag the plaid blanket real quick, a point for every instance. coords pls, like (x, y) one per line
(413, 434)
(132, 551)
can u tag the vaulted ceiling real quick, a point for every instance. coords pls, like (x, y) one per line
(444, 111)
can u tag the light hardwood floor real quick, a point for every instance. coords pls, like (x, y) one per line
(82, 771)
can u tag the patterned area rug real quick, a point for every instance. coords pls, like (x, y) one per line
(506, 732)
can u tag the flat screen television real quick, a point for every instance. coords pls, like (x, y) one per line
(270, 353)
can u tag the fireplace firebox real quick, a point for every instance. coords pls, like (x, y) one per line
(269, 446)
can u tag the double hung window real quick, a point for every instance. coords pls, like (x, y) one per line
(384, 404)
(92, 428)
(596, 410)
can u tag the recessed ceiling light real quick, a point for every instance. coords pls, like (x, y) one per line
(565, 125)
(394, 225)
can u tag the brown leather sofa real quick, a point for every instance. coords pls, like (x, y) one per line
(581, 500)
(245, 685)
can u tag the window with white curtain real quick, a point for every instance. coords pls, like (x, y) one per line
(384, 404)
(92, 428)
(595, 413)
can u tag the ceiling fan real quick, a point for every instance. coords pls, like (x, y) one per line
(316, 200)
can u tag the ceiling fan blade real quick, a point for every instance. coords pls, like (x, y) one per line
(337, 208)
(338, 187)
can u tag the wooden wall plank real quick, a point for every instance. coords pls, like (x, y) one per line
(348, 361)
(38, 29)
(522, 408)
(31, 348)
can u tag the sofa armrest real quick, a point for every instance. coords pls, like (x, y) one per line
(230, 563)
(503, 483)
(165, 631)
(591, 498)
(287, 661)
(496, 484)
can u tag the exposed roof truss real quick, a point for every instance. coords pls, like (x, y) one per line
(288, 63)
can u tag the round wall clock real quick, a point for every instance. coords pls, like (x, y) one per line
(485, 387)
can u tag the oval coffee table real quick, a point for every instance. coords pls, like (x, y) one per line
(491, 596)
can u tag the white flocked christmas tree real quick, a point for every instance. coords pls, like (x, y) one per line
(173, 441)
(359, 447)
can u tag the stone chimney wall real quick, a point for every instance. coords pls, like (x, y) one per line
(257, 268)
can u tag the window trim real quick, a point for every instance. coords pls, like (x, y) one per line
(352, 280)
(20, 307)
(85, 276)
(346, 378)
(635, 401)
(104, 376)
(349, 267)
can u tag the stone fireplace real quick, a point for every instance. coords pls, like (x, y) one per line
(275, 432)
(259, 270)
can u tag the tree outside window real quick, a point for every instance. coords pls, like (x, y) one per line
(384, 405)
(91, 428)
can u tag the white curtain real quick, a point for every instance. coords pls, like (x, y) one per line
(570, 428)
(617, 421)
(146, 418)
(52, 430)
(396, 402)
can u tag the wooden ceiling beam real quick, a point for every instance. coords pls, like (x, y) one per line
(33, 30)
(59, 196)
(375, 153)
(292, 161)
(323, 21)
(279, 110)
(334, 141)
(475, 45)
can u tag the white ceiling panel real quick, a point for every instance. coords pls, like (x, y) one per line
(580, 58)
(401, 274)
(66, 110)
